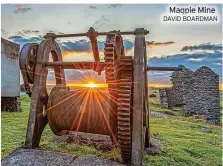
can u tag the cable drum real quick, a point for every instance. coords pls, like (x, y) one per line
(83, 110)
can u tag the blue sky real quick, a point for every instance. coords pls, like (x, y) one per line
(192, 45)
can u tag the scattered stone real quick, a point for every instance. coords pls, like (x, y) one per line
(197, 116)
(34, 157)
(152, 95)
(155, 114)
(177, 109)
(101, 142)
(205, 130)
(163, 98)
(155, 147)
(215, 144)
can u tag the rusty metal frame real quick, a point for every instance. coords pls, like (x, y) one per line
(140, 115)
(37, 121)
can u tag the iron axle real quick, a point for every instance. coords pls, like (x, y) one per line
(87, 34)
(99, 66)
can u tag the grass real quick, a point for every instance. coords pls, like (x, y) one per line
(154, 105)
(14, 132)
(186, 141)
(14, 127)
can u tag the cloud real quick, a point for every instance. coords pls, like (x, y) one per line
(30, 31)
(85, 45)
(81, 50)
(192, 61)
(218, 64)
(74, 47)
(23, 37)
(128, 44)
(93, 7)
(21, 9)
(114, 5)
(3, 31)
(100, 22)
(155, 44)
(16, 37)
(79, 76)
(56, 32)
(162, 77)
(204, 46)
(196, 59)
(80, 46)
(22, 40)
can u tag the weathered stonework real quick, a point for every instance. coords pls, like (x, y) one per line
(197, 92)
(175, 94)
(10, 104)
(163, 98)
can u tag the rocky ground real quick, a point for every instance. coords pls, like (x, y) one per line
(35, 157)
(100, 142)
(176, 140)
(155, 114)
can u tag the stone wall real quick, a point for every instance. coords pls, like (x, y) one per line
(197, 92)
(201, 95)
(163, 98)
(175, 94)
(10, 104)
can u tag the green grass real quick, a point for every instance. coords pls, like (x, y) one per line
(14, 127)
(184, 141)
(155, 106)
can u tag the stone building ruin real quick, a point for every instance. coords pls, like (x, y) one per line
(197, 92)
(10, 76)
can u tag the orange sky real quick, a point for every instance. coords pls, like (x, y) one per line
(102, 85)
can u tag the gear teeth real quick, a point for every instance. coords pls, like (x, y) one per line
(124, 106)
(124, 124)
(121, 89)
(123, 114)
(109, 48)
(121, 119)
(126, 57)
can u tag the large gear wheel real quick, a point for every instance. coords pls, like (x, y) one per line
(119, 79)
(125, 107)
(110, 56)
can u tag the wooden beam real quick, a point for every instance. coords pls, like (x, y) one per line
(37, 120)
(138, 88)
(94, 44)
(96, 66)
(164, 68)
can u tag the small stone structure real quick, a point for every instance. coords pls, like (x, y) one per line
(163, 98)
(10, 77)
(197, 92)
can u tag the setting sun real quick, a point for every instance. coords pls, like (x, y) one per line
(91, 85)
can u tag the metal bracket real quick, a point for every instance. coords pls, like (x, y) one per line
(140, 31)
(53, 36)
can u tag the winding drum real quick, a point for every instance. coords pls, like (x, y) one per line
(83, 110)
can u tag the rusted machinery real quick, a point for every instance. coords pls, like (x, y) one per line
(126, 121)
